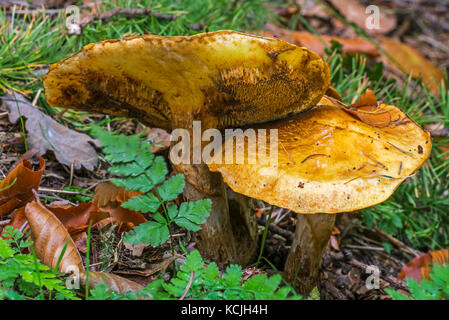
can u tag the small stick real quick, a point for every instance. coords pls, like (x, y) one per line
(397, 243)
(48, 190)
(130, 12)
(276, 229)
(188, 286)
(392, 280)
(4, 222)
(36, 196)
(365, 247)
(36, 97)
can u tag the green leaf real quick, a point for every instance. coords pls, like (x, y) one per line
(171, 188)
(5, 249)
(128, 169)
(143, 203)
(233, 275)
(172, 210)
(159, 218)
(192, 214)
(158, 170)
(142, 183)
(150, 232)
(193, 262)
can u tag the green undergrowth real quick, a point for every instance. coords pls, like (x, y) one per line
(435, 288)
(197, 280)
(137, 169)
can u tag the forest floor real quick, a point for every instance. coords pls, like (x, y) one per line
(355, 242)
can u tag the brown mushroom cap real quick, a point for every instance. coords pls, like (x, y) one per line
(331, 162)
(223, 78)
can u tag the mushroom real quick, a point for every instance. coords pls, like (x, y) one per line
(331, 158)
(224, 79)
(329, 162)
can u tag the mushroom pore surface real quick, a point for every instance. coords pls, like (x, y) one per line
(224, 79)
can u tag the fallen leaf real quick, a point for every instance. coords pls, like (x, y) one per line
(154, 268)
(18, 218)
(160, 139)
(44, 133)
(367, 110)
(368, 98)
(136, 249)
(354, 12)
(334, 243)
(317, 44)
(419, 268)
(80, 240)
(114, 282)
(50, 236)
(76, 218)
(16, 188)
(109, 198)
(412, 62)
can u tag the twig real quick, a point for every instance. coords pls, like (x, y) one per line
(63, 191)
(434, 20)
(188, 286)
(4, 222)
(130, 12)
(371, 248)
(392, 280)
(398, 243)
(276, 229)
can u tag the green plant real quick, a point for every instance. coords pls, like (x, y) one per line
(197, 281)
(436, 288)
(139, 170)
(22, 276)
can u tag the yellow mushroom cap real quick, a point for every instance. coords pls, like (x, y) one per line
(223, 78)
(330, 162)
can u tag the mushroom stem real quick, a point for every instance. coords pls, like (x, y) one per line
(230, 232)
(304, 260)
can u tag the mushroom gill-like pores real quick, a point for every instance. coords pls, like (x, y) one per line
(328, 162)
(224, 79)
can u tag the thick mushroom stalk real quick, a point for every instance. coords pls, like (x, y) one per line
(223, 79)
(331, 159)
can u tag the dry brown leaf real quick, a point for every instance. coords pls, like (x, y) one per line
(136, 249)
(18, 218)
(411, 62)
(160, 138)
(368, 98)
(16, 188)
(50, 236)
(367, 110)
(114, 282)
(354, 12)
(76, 218)
(153, 268)
(109, 198)
(419, 267)
(317, 44)
(44, 133)
(80, 240)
